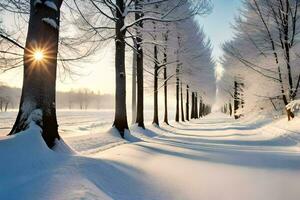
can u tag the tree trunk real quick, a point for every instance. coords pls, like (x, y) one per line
(286, 40)
(181, 101)
(230, 109)
(1, 105)
(196, 106)
(134, 66)
(177, 94)
(155, 117)
(39, 82)
(140, 73)
(200, 108)
(120, 107)
(166, 87)
(287, 46)
(236, 101)
(6, 106)
(205, 110)
(187, 104)
(193, 106)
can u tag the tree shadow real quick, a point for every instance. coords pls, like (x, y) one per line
(203, 136)
(118, 180)
(245, 158)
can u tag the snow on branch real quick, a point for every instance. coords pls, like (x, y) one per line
(48, 3)
(37, 2)
(50, 22)
(51, 5)
(294, 105)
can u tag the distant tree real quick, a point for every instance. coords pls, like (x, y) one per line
(187, 109)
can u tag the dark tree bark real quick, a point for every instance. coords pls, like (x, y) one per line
(230, 109)
(287, 45)
(187, 104)
(120, 107)
(177, 94)
(236, 101)
(166, 120)
(156, 68)
(196, 106)
(134, 66)
(193, 106)
(200, 108)
(181, 102)
(39, 82)
(286, 42)
(140, 71)
(155, 117)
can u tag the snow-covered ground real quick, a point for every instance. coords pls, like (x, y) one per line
(215, 158)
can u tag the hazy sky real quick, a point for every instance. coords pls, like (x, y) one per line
(217, 25)
(100, 76)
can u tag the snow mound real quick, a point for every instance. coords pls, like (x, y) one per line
(22, 156)
(16, 148)
(127, 135)
(142, 133)
(62, 147)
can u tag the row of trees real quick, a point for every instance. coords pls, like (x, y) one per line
(82, 99)
(149, 28)
(264, 54)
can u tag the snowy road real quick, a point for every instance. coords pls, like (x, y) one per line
(214, 158)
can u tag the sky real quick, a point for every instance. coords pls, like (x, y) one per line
(217, 26)
(99, 76)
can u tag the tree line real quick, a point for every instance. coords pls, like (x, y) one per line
(161, 34)
(263, 57)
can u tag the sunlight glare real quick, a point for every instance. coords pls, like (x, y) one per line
(38, 55)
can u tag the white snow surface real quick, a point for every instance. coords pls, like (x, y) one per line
(215, 158)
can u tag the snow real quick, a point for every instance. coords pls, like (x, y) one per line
(35, 116)
(51, 5)
(294, 105)
(37, 2)
(215, 158)
(48, 3)
(51, 22)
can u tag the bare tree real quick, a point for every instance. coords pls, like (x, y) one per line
(40, 65)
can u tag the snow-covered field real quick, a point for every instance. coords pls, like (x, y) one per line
(215, 158)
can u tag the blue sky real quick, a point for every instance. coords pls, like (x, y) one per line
(217, 25)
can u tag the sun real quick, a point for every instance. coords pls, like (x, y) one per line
(38, 55)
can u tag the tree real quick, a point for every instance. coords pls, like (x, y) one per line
(165, 79)
(120, 121)
(121, 11)
(134, 92)
(40, 65)
(181, 101)
(268, 29)
(187, 110)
